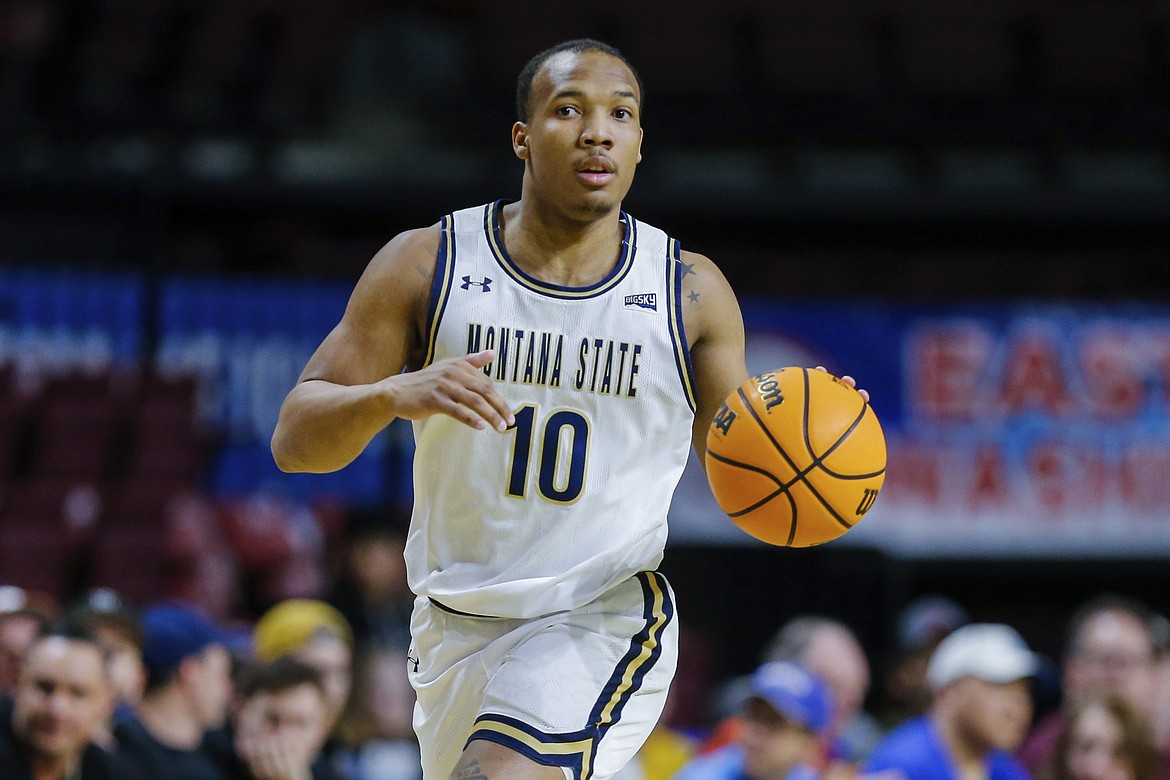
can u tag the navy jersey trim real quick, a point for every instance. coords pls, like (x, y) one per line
(491, 226)
(440, 285)
(574, 750)
(645, 651)
(682, 350)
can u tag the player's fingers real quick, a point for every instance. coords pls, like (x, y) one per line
(495, 410)
(853, 383)
(487, 406)
(481, 359)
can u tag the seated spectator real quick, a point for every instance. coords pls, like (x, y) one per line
(1105, 740)
(119, 631)
(376, 730)
(316, 634)
(787, 711)
(188, 688)
(62, 697)
(921, 625)
(980, 710)
(21, 620)
(829, 649)
(279, 722)
(1110, 649)
(372, 591)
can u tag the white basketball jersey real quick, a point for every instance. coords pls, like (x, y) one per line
(573, 498)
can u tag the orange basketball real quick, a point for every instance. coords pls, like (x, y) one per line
(795, 457)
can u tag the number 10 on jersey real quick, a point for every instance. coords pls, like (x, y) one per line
(561, 444)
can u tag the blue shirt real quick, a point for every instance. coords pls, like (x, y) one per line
(917, 749)
(727, 763)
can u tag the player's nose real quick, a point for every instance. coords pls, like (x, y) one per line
(597, 132)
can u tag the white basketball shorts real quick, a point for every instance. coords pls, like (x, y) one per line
(579, 690)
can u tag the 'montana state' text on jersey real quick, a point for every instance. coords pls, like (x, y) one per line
(573, 498)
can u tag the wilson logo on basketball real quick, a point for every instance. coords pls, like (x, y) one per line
(769, 390)
(866, 502)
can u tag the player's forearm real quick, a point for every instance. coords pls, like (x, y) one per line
(324, 426)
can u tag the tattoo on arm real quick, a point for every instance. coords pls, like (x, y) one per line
(471, 772)
(687, 269)
(693, 297)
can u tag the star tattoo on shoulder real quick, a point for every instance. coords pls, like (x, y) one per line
(687, 269)
(471, 772)
(693, 297)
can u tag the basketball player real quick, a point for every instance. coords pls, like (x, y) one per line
(560, 359)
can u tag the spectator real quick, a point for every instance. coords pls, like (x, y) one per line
(1110, 648)
(921, 625)
(1105, 740)
(317, 634)
(831, 651)
(119, 631)
(979, 713)
(62, 697)
(372, 592)
(377, 731)
(279, 723)
(21, 620)
(188, 689)
(788, 710)
(313, 632)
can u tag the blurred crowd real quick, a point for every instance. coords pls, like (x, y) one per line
(313, 688)
(317, 688)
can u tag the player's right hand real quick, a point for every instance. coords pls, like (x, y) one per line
(455, 387)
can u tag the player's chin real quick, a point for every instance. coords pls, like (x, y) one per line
(598, 203)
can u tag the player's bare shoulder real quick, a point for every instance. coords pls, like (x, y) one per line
(379, 332)
(404, 267)
(707, 298)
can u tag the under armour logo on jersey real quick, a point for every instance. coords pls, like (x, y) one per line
(484, 285)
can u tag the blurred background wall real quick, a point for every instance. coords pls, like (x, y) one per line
(965, 204)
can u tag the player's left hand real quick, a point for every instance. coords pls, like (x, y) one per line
(851, 382)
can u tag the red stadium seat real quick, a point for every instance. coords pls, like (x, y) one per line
(37, 559)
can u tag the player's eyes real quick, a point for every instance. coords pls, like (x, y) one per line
(566, 111)
(623, 113)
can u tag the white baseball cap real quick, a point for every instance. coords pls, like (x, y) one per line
(991, 652)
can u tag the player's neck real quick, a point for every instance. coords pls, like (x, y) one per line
(558, 250)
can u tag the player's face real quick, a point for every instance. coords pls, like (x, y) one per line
(995, 715)
(62, 698)
(583, 137)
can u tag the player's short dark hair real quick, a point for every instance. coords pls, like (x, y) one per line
(576, 46)
(276, 676)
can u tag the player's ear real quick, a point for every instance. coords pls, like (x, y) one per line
(520, 140)
(641, 135)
